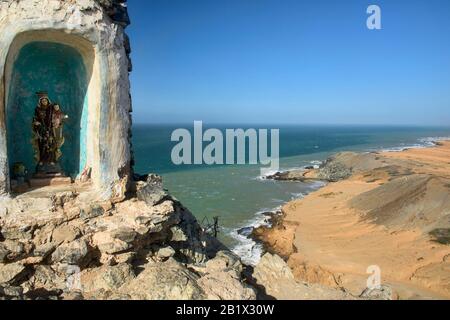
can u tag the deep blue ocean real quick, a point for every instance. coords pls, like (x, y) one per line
(237, 194)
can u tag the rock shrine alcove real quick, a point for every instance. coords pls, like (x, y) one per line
(59, 70)
(77, 52)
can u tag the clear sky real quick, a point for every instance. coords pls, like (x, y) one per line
(290, 61)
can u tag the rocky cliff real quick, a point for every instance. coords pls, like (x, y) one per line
(64, 246)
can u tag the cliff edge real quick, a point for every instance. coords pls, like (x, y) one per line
(62, 244)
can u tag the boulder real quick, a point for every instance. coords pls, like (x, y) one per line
(45, 278)
(92, 212)
(164, 281)
(66, 234)
(127, 257)
(272, 267)
(108, 278)
(125, 234)
(165, 253)
(73, 253)
(11, 272)
(382, 293)
(17, 249)
(44, 234)
(11, 250)
(44, 250)
(151, 191)
(225, 286)
(222, 279)
(273, 275)
(22, 232)
(60, 199)
(73, 213)
(225, 261)
(109, 245)
(9, 292)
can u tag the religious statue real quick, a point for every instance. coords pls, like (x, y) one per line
(48, 135)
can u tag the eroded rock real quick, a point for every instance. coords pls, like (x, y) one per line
(134, 249)
(11, 272)
(223, 279)
(108, 278)
(164, 281)
(151, 191)
(274, 276)
(45, 277)
(73, 253)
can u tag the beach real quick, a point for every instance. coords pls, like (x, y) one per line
(392, 212)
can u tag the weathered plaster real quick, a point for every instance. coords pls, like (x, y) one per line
(84, 26)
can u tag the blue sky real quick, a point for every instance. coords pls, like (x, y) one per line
(290, 61)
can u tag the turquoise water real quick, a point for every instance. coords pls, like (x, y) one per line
(237, 194)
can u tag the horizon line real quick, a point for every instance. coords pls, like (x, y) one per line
(294, 124)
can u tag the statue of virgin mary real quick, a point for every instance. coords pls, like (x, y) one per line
(47, 135)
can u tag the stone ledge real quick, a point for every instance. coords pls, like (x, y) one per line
(48, 182)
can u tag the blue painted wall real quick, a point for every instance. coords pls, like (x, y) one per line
(58, 69)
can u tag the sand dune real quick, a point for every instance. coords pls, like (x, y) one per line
(414, 201)
(393, 212)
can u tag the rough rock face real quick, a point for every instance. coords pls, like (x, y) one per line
(276, 277)
(162, 281)
(117, 11)
(64, 248)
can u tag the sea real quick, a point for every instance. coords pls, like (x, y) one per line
(238, 195)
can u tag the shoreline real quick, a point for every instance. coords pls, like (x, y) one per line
(250, 249)
(251, 243)
(284, 237)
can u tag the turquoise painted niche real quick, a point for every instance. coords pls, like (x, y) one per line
(59, 70)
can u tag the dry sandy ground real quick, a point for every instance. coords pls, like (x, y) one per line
(384, 215)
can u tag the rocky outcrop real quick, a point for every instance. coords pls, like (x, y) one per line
(336, 168)
(300, 175)
(279, 282)
(333, 172)
(216, 280)
(276, 277)
(222, 279)
(64, 248)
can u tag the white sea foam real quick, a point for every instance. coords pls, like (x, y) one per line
(315, 164)
(426, 142)
(431, 141)
(268, 174)
(248, 249)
